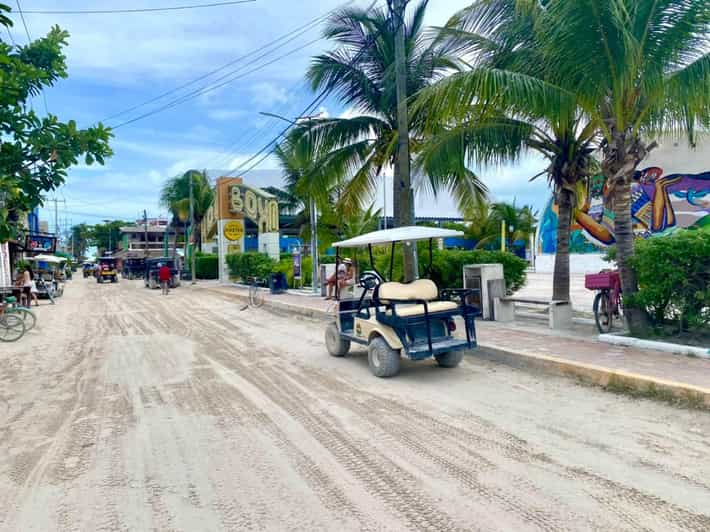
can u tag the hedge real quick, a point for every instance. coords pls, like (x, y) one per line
(447, 265)
(673, 273)
(206, 266)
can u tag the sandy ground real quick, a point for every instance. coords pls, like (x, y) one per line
(127, 410)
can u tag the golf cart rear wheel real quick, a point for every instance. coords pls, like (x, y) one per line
(450, 359)
(336, 344)
(383, 360)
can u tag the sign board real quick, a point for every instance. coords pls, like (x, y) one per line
(297, 264)
(40, 243)
(233, 230)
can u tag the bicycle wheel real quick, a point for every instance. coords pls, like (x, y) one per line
(602, 314)
(12, 328)
(29, 317)
(256, 297)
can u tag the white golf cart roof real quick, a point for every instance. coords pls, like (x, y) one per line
(47, 258)
(409, 233)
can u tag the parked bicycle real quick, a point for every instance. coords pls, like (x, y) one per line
(608, 305)
(256, 295)
(12, 327)
(24, 313)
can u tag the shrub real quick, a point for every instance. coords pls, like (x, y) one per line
(447, 265)
(673, 273)
(245, 265)
(206, 266)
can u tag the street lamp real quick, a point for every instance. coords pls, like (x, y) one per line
(312, 207)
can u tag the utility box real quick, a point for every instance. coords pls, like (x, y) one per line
(478, 277)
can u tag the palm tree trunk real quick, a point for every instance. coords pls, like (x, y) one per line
(560, 279)
(403, 216)
(636, 318)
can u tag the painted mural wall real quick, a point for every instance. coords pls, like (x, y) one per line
(671, 191)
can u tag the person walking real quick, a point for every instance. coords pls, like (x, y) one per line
(164, 276)
(27, 278)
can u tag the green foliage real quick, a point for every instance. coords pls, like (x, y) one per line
(674, 278)
(36, 152)
(99, 235)
(206, 266)
(360, 73)
(175, 195)
(448, 265)
(245, 265)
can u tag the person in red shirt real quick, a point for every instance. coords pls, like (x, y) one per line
(164, 276)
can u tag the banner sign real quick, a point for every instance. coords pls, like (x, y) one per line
(40, 243)
(296, 263)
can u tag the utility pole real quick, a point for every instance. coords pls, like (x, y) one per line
(145, 233)
(192, 233)
(403, 196)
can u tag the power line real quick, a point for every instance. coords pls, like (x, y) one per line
(140, 10)
(211, 88)
(286, 38)
(29, 41)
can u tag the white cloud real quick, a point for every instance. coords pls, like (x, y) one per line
(268, 94)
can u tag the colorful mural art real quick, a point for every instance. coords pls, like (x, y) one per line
(661, 203)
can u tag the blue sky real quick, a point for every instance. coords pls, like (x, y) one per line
(117, 61)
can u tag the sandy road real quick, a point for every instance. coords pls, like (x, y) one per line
(127, 410)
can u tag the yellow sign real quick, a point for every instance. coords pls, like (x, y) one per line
(233, 230)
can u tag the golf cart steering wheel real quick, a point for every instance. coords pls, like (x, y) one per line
(369, 280)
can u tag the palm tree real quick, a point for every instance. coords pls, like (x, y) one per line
(641, 68)
(360, 72)
(175, 196)
(504, 104)
(522, 220)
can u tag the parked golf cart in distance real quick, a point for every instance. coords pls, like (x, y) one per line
(394, 319)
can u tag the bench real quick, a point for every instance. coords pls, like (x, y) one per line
(559, 312)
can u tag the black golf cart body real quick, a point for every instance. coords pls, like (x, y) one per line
(150, 275)
(414, 319)
(133, 268)
(106, 269)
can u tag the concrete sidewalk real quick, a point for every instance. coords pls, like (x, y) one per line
(529, 344)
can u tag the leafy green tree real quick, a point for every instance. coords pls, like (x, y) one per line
(522, 220)
(360, 72)
(641, 68)
(36, 152)
(175, 196)
(81, 236)
(504, 104)
(107, 236)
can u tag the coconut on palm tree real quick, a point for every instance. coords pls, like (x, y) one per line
(504, 104)
(641, 68)
(361, 73)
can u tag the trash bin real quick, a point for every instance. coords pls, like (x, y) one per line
(278, 283)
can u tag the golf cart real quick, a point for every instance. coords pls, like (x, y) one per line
(88, 269)
(414, 319)
(152, 268)
(133, 269)
(107, 269)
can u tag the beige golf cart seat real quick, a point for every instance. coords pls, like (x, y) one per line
(422, 289)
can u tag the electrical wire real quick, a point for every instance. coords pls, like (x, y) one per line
(29, 41)
(139, 10)
(210, 88)
(287, 37)
(269, 147)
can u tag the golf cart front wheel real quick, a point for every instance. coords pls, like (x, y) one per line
(383, 360)
(336, 344)
(450, 359)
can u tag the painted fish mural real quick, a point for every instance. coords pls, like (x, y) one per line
(660, 205)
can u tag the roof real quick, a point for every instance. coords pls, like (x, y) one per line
(141, 229)
(399, 234)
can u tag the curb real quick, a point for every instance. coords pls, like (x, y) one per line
(667, 347)
(609, 379)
